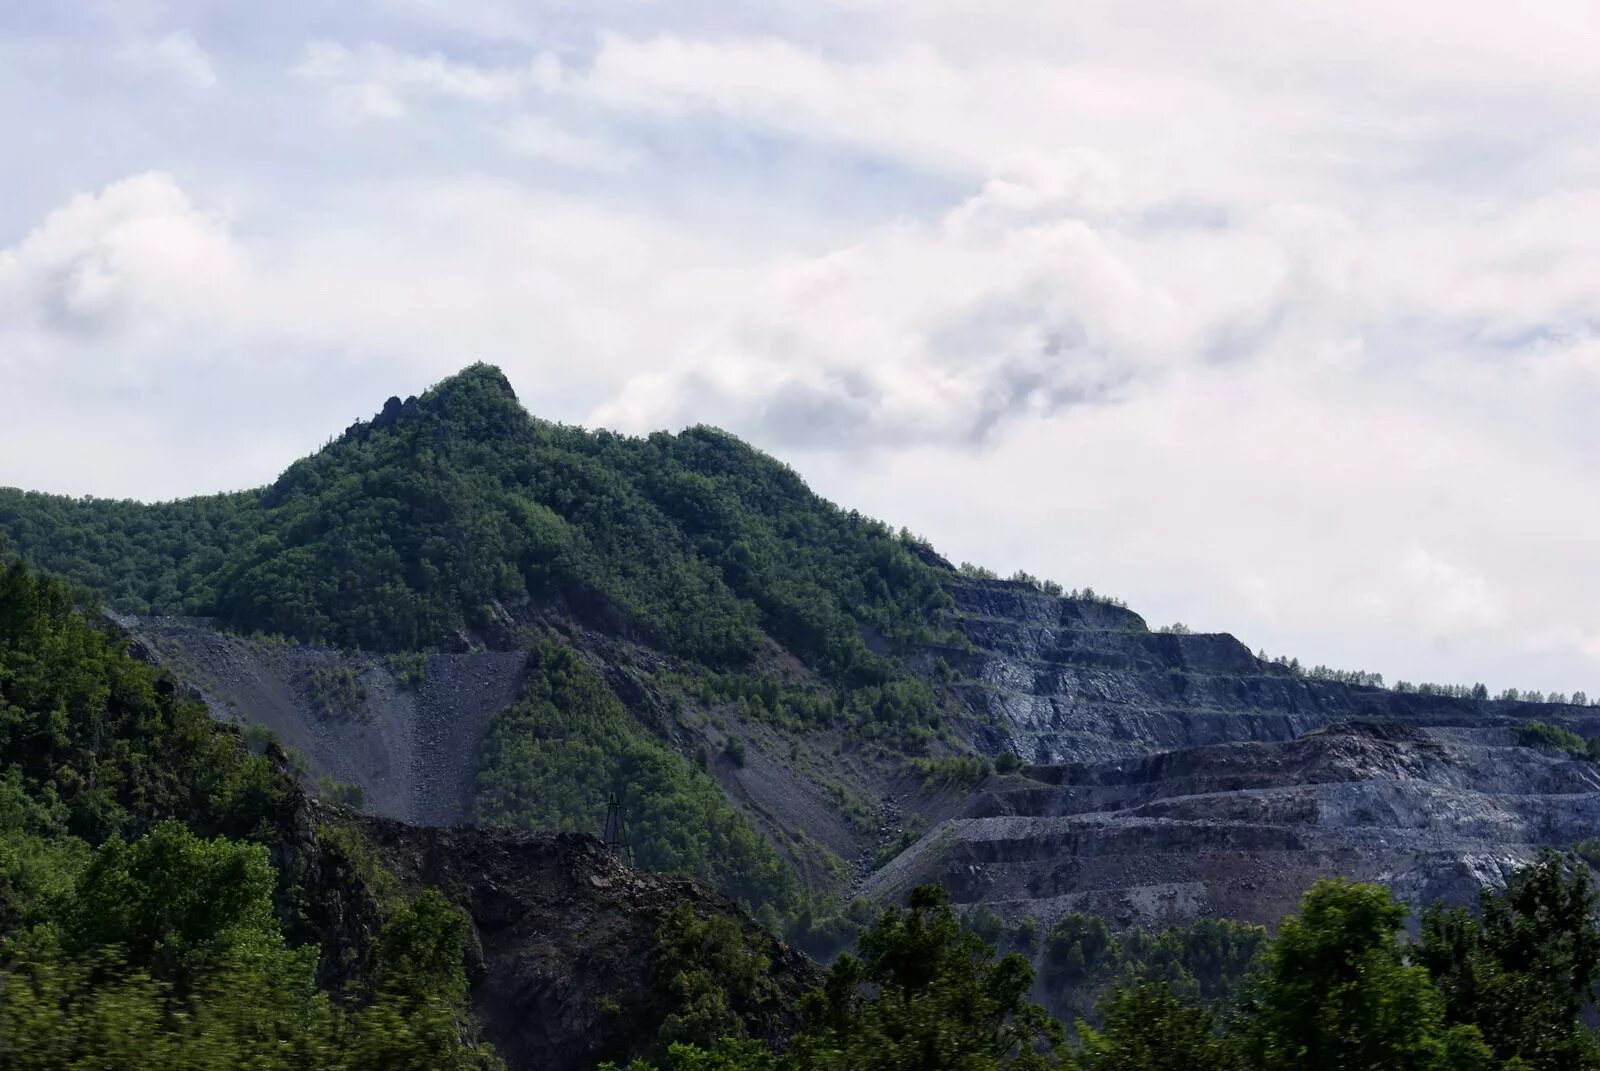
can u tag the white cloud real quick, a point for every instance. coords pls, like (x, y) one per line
(137, 277)
(138, 256)
(1334, 518)
(176, 56)
(1271, 318)
(909, 101)
(376, 80)
(1011, 306)
(537, 137)
(1459, 597)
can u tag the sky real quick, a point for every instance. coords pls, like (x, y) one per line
(1272, 318)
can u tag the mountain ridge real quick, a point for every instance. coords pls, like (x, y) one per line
(710, 626)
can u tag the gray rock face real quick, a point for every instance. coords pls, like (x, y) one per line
(1242, 829)
(1179, 776)
(411, 746)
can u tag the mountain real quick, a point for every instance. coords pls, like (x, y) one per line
(467, 615)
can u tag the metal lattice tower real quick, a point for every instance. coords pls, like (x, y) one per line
(616, 836)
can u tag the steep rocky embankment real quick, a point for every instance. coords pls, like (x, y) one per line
(567, 936)
(1179, 776)
(564, 935)
(411, 737)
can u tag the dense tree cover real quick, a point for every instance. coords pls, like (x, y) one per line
(904, 713)
(1525, 968)
(1358, 677)
(1339, 992)
(165, 953)
(1576, 699)
(137, 557)
(1205, 962)
(715, 978)
(922, 993)
(551, 760)
(141, 918)
(1149, 1028)
(1479, 691)
(1340, 987)
(455, 517)
(99, 745)
(414, 526)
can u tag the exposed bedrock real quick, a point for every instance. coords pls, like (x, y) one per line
(1242, 829)
(1068, 680)
(1175, 776)
(1178, 776)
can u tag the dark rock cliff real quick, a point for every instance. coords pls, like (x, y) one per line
(567, 935)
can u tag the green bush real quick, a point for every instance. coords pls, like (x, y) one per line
(961, 771)
(168, 955)
(409, 668)
(1541, 734)
(112, 743)
(342, 793)
(1522, 970)
(715, 977)
(337, 693)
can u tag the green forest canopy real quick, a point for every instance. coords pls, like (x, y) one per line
(1340, 987)
(410, 528)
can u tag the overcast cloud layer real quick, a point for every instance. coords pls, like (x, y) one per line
(1279, 319)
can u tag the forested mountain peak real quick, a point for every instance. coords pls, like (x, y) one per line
(476, 405)
(451, 517)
